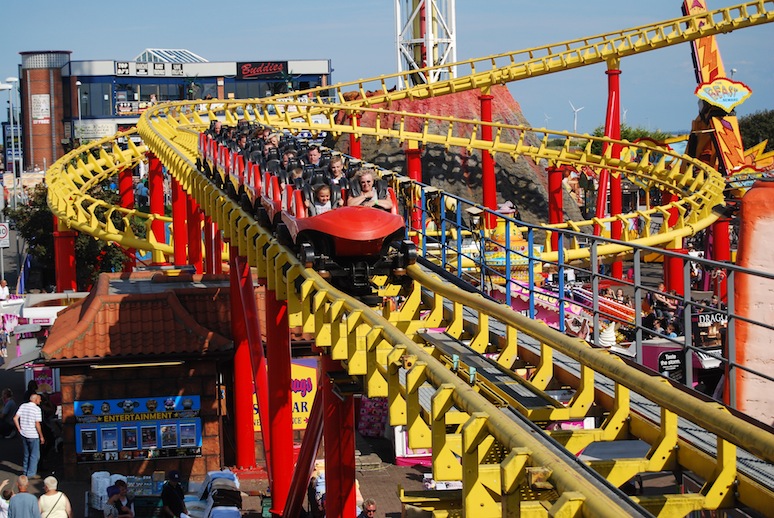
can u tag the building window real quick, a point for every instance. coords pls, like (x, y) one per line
(96, 100)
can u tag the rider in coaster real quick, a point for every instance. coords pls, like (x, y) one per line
(368, 196)
(336, 168)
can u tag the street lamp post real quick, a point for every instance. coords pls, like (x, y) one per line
(78, 133)
(9, 87)
(12, 94)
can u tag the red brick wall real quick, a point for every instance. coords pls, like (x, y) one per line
(194, 378)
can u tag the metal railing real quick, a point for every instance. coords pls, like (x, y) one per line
(508, 262)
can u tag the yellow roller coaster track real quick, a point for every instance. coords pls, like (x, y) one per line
(523, 64)
(494, 450)
(472, 436)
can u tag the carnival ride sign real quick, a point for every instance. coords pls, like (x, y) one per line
(303, 384)
(138, 428)
(723, 93)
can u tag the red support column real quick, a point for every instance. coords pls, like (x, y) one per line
(156, 192)
(354, 140)
(414, 168)
(674, 214)
(243, 372)
(674, 271)
(217, 247)
(489, 182)
(673, 276)
(306, 457)
(280, 399)
(721, 251)
(339, 439)
(257, 357)
(613, 131)
(209, 245)
(194, 234)
(126, 195)
(179, 228)
(555, 201)
(64, 256)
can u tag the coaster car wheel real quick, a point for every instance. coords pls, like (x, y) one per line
(306, 255)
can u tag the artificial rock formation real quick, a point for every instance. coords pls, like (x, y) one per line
(456, 171)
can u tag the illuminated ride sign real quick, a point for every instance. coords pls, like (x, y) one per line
(723, 93)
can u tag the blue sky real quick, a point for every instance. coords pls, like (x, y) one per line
(358, 36)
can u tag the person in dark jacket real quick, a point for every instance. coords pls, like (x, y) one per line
(172, 496)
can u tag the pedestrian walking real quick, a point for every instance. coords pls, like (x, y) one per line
(28, 421)
(23, 504)
(53, 503)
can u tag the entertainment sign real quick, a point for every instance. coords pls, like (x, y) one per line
(138, 429)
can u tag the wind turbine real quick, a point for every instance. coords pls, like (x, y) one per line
(575, 116)
(624, 115)
(548, 118)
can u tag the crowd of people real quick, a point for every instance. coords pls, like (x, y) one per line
(325, 179)
(35, 422)
(662, 313)
(23, 504)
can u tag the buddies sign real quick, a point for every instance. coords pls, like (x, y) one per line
(262, 70)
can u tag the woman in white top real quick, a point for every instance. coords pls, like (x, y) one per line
(53, 503)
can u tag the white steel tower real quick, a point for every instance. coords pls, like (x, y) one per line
(426, 36)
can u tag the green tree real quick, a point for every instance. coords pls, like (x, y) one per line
(629, 133)
(757, 127)
(35, 223)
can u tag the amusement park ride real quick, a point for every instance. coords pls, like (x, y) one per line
(488, 427)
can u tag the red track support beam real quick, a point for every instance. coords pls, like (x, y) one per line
(674, 214)
(194, 234)
(156, 193)
(280, 399)
(243, 372)
(721, 251)
(257, 357)
(354, 140)
(673, 270)
(179, 218)
(244, 327)
(209, 245)
(126, 195)
(64, 256)
(555, 201)
(414, 169)
(613, 131)
(217, 248)
(339, 435)
(306, 457)
(489, 181)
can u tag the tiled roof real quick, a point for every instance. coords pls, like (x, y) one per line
(142, 316)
